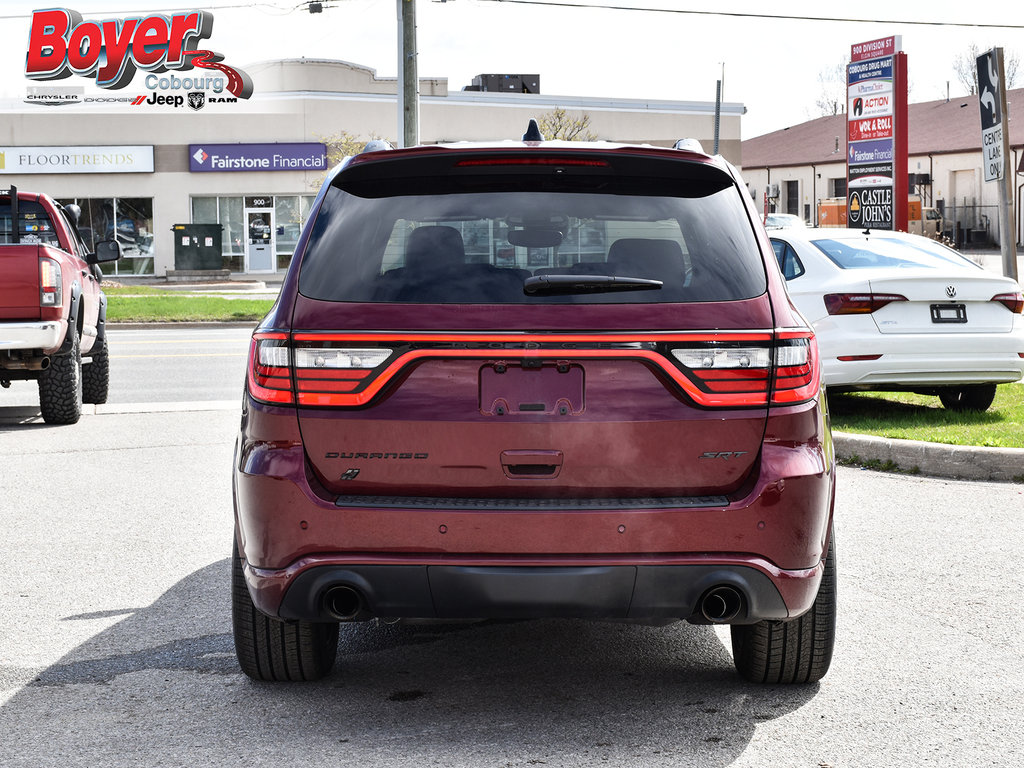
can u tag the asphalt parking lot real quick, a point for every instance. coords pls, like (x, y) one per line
(118, 650)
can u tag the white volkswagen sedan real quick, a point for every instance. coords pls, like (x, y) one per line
(894, 311)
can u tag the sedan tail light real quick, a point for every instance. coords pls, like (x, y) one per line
(1012, 301)
(859, 303)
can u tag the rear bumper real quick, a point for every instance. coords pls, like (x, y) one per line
(452, 591)
(44, 335)
(617, 560)
(924, 359)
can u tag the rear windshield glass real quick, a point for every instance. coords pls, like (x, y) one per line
(34, 224)
(367, 245)
(892, 252)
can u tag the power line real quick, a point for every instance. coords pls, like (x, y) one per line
(772, 16)
(172, 10)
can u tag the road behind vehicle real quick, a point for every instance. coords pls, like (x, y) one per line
(52, 310)
(900, 312)
(534, 379)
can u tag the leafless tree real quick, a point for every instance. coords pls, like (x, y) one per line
(832, 90)
(965, 66)
(559, 124)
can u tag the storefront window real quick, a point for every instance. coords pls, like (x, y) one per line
(290, 214)
(129, 220)
(233, 241)
(226, 211)
(204, 210)
(289, 224)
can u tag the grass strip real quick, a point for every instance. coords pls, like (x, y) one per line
(906, 416)
(176, 309)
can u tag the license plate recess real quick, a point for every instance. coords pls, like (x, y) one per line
(551, 389)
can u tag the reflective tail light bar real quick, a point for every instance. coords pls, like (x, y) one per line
(716, 370)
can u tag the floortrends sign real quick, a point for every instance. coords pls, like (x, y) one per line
(111, 51)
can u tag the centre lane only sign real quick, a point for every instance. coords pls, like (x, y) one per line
(990, 101)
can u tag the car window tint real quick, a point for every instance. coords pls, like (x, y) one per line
(875, 252)
(789, 262)
(480, 247)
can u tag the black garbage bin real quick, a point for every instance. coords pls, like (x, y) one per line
(197, 246)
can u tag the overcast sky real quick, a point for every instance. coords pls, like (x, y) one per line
(771, 65)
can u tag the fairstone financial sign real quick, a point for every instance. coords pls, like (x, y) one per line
(99, 159)
(221, 158)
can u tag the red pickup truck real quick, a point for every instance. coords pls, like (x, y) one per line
(52, 311)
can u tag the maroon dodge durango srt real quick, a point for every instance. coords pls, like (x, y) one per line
(534, 379)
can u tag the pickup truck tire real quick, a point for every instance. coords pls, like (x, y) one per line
(274, 650)
(96, 375)
(794, 651)
(60, 385)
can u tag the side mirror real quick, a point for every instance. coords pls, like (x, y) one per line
(106, 250)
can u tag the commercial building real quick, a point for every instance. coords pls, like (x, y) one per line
(140, 162)
(800, 167)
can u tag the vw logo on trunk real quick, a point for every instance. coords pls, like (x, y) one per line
(951, 291)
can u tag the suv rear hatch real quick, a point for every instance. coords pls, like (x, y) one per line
(522, 325)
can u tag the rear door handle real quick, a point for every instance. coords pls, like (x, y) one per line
(527, 464)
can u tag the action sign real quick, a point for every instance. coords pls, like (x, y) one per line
(990, 99)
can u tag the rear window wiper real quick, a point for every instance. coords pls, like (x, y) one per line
(565, 284)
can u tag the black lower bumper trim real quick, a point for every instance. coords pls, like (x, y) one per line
(533, 505)
(488, 592)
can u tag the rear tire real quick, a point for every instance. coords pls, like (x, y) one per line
(60, 385)
(794, 651)
(96, 375)
(970, 397)
(273, 650)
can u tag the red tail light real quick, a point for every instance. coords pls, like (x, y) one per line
(269, 373)
(1012, 301)
(51, 286)
(717, 370)
(743, 374)
(859, 303)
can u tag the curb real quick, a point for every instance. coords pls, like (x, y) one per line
(932, 459)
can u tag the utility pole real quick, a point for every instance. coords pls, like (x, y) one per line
(408, 96)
